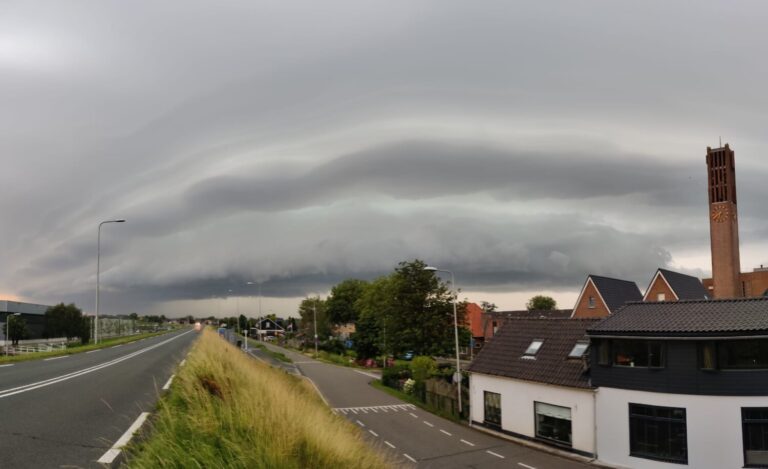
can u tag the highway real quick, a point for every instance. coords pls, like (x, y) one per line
(69, 411)
(412, 436)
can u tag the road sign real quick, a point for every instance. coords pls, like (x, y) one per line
(457, 377)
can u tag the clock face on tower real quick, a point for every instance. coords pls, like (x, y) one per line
(720, 213)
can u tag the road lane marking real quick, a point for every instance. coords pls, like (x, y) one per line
(427, 423)
(406, 455)
(494, 454)
(443, 431)
(370, 375)
(376, 408)
(467, 442)
(115, 346)
(3, 366)
(360, 423)
(526, 466)
(113, 452)
(414, 415)
(56, 358)
(373, 433)
(92, 351)
(183, 362)
(85, 371)
(167, 385)
(389, 444)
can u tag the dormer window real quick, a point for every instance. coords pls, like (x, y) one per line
(579, 349)
(591, 302)
(661, 297)
(533, 349)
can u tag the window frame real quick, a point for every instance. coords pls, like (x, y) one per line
(633, 417)
(487, 421)
(583, 352)
(744, 423)
(568, 444)
(591, 303)
(532, 353)
(648, 345)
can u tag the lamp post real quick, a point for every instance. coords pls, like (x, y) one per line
(314, 311)
(98, 266)
(455, 328)
(8, 329)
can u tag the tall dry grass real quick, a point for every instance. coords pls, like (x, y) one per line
(228, 410)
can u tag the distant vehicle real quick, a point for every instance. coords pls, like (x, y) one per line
(198, 327)
(408, 355)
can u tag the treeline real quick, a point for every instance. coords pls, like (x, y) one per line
(409, 310)
(67, 321)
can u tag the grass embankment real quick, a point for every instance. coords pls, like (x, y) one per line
(79, 348)
(225, 409)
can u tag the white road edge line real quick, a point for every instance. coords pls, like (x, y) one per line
(443, 431)
(525, 466)
(183, 362)
(373, 433)
(406, 455)
(467, 442)
(370, 375)
(389, 444)
(55, 358)
(495, 454)
(167, 385)
(427, 423)
(97, 350)
(113, 452)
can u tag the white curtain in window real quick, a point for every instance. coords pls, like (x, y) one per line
(555, 411)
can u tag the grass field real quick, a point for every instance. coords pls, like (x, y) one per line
(227, 410)
(77, 348)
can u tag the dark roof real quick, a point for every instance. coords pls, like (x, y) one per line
(686, 287)
(616, 292)
(503, 355)
(742, 316)
(532, 314)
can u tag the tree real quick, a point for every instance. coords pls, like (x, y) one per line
(134, 316)
(307, 310)
(67, 321)
(374, 308)
(488, 307)
(541, 302)
(242, 322)
(17, 329)
(341, 303)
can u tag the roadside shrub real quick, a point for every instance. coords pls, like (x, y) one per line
(422, 368)
(392, 376)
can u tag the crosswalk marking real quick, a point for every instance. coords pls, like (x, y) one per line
(375, 409)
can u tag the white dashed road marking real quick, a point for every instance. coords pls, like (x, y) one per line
(427, 423)
(3, 366)
(443, 431)
(410, 458)
(113, 452)
(168, 383)
(376, 409)
(526, 466)
(373, 433)
(467, 442)
(414, 415)
(389, 444)
(360, 423)
(495, 454)
(93, 351)
(183, 362)
(56, 358)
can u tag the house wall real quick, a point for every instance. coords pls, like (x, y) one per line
(517, 406)
(681, 374)
(660, 286)
(582, 310)
(713, 427)
(753, 284)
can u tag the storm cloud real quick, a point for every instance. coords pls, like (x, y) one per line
(522, 146)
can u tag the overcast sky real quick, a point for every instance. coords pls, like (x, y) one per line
(523, 145)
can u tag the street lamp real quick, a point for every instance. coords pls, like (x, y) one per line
(98, 266)
(314, 311)
(455, 327)
(8, 329)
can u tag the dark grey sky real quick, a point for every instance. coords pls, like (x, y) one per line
(521, 144)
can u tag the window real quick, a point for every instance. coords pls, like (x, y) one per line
(591, 302)
(640, 353)
(742, 354)
(495, 327)
(604, 353)
(755, 432)
(578, 350)
(492, 403)
(661, 297)
(658, 433)
(553, 422)
(708, 356)
(533, 348)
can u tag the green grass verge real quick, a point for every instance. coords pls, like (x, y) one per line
(276, 355)
(413, 400)
(226, 410)
(79, 348)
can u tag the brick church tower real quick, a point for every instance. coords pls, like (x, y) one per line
(723, 223)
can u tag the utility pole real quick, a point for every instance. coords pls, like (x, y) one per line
(314, 310)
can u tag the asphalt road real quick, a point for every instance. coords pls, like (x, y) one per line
(414, 437)
(67, 412)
